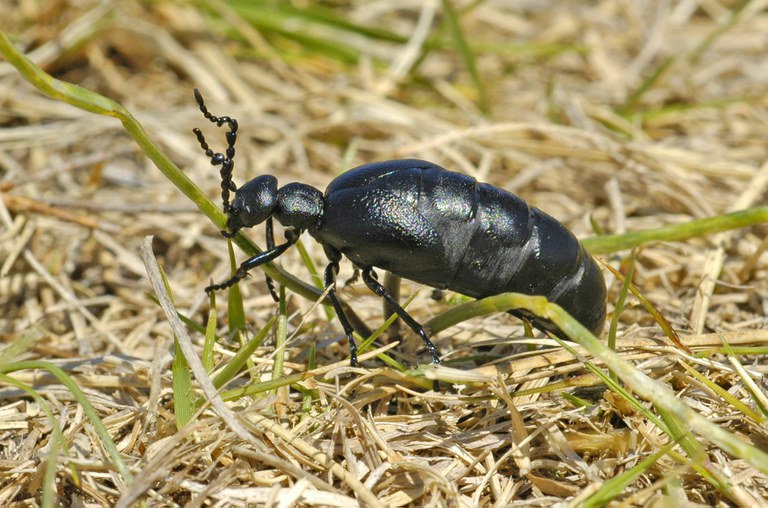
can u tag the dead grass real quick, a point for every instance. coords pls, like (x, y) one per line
(633, 114)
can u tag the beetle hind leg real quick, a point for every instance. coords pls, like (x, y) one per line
(369, 277)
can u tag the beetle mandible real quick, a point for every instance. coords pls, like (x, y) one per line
(421, 222)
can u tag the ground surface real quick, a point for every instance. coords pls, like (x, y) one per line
(614, 115)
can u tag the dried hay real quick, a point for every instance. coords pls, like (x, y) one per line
(636, 114)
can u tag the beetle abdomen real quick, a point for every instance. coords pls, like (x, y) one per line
(446, 230)
(512, 247)
(517, 248)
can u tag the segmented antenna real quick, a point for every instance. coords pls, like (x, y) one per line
(226, 161)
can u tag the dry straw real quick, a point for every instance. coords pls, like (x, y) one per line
(120, 383)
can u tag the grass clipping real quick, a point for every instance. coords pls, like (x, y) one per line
(120, 383)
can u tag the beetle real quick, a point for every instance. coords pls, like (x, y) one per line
(421, 222)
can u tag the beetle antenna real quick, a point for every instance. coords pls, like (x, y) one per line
(225, 160)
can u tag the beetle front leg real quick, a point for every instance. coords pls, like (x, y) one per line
(369, 276)
(250, 263)
(271, 245)
(330, 285)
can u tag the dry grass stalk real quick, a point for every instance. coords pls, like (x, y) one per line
(637, 114)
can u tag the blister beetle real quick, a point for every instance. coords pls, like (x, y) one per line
(421, 222)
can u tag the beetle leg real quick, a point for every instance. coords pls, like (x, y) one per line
(353, 279)
(330, 286)
(370, 280)
(250, 263)
(270, 246)
(392, 284)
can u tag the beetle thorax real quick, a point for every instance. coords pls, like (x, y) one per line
(299, 206)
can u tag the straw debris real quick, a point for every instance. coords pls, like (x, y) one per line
(625, 115)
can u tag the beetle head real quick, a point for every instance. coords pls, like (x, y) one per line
(253, 204)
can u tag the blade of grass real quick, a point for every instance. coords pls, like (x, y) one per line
(710, 39)
(87, 100)
(634, 97)
(210, 338)
(757, 394)
(617, 485)
(316, 29)
(88, 409)
(677, 232)
(309, 395)
(183, 400)
(726, 396)
(619, 306)
(50, 495)
(365, 344)
(317, 279)
(281, 337)
(235, 307)
(20, 346)
(236, 364)
(654, 391)
(267, 386)
(694, 450)
(651, 309)
(451, 18)
(57, 441)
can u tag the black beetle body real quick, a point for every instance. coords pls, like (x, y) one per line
(423, 223)
(448, 231)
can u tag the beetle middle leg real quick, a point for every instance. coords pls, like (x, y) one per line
(330, 285)
(369, 276)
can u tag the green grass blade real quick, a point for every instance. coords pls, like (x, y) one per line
(368, 342)
(749, 385)
(677, 232)
(309, 395)
(88, 409)
(90, 101)
(19, 346)
(710, 39)
(694, 450)
(451, 18)
(281, 337)
(619, 306)
(652, 310)
(262, 387)
(724, 394)
(210, 338)
(617, 485)
(57, 441)
(50, 495)
(317, 279)
(183, 402)
(634, 97)
(236, 364)
(235, 307)
(654, 391)
(316, 29)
